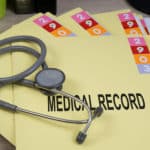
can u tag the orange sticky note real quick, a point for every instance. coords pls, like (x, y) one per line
(142, 58)
(96, 30)
(61, 32)
(133, 31)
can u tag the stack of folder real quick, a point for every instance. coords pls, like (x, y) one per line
(106, 59)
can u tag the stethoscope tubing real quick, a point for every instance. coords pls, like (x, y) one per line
(20, 79)
(40, 60)
(25, 49)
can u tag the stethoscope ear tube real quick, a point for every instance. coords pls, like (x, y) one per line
(40, 60)
(8, 106)
(81, 135)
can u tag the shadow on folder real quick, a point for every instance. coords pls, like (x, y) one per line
(5, 144)
(140, 5)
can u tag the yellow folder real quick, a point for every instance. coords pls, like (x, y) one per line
(101, 71)
(6, 94)
(7, 129)
(97, 70)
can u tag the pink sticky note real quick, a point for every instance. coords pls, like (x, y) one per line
(43, 20)
(81, 16)
(137, 41)
(126, 16)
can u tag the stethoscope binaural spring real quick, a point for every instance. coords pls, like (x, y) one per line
(48, 80)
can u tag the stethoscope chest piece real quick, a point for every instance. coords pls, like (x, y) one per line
(50, 78)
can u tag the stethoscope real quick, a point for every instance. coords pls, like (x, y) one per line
(48, 80)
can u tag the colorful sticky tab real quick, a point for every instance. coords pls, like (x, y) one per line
(142, 58)
(145, 27)
(144, 69)
(133, 31)
(81, 16)
(96, 30)
(52, 26)
(43, 20)
(126, 16)
(129, 24)
(61, 32)
(147, 23)
(139, 49)
(140, 53)
(136, 41)
(89, 24)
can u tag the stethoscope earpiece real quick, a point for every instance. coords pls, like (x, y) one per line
(81, 137)
(98, 112)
